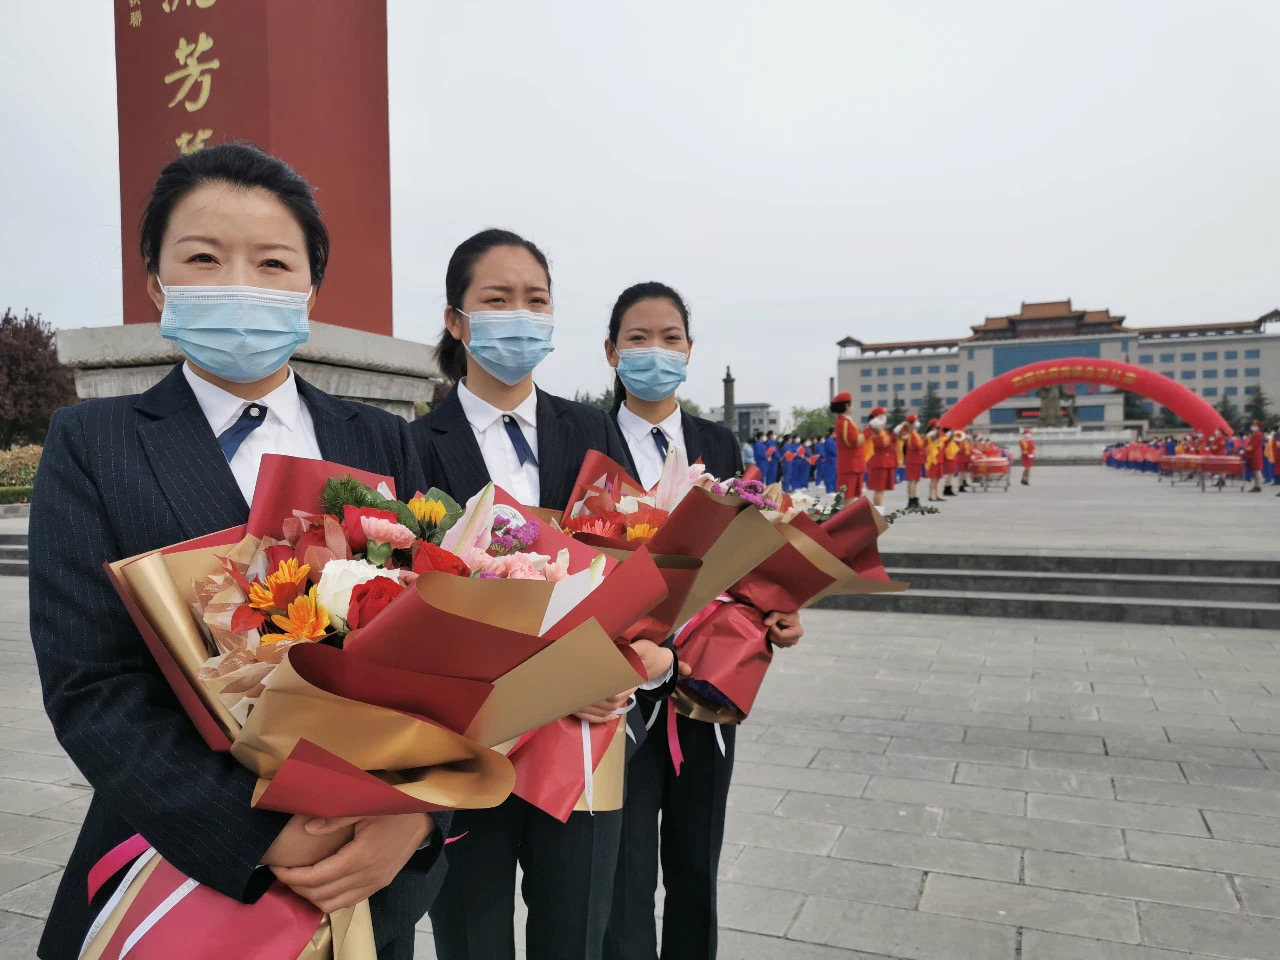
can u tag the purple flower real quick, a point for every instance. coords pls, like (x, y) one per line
(526, 535)
(485, 576)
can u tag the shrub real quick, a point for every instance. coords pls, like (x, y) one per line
(18, 466)
(15, 495)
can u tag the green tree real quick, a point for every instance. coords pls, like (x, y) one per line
(33, 383)
(689, 407)
(811, 422)
(1229, 412)
(1167, 419)
(930, 405)
(603, 400)
(1259, 408)
(897, 412)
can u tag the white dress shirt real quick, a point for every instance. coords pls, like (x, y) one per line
(488, 423)
(638, 434)
(288, 428)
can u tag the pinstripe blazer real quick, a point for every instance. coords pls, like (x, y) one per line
(119, 477)
(452, 461)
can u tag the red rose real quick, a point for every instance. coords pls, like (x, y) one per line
(430, 557)
(352, 529)
(371, 598)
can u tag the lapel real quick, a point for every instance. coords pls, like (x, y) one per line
(693, 440)
(185, 458)
(557, 443)
(459, 454)
(630, 462)
(334, 434)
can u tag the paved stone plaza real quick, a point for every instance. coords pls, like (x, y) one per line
(1094, 509)
(914, 787)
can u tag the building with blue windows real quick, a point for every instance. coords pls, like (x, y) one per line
(1234, 360)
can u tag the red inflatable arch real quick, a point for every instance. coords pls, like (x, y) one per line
(1125, 376)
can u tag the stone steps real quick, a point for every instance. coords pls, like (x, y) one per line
(1220, 590)
(1191, 613)
(1036, 559)
(13, 554)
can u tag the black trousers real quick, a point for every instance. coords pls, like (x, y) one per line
(568, 883)
(692, 807)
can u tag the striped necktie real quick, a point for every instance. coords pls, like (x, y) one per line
(524, 452)
(230, 439)
(660, 440)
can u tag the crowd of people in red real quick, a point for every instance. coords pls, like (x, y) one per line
(1251, 456)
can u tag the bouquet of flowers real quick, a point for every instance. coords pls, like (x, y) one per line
(689, 514)
(340, 646)
(726, 644)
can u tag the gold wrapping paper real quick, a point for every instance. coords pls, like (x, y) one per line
(610, 775)
(436, 765)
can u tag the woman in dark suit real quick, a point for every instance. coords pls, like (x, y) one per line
(235, 249)
(649, 346)
(495, 424)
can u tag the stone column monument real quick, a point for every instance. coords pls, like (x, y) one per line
(730, 411)
(307, 81)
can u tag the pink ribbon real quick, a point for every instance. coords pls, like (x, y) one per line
(683, 634)
(673, 739)
(114, 861)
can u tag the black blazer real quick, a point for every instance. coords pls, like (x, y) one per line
(452, 461)
(715, 444)
(119, 477)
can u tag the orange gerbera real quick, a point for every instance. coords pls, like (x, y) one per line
(306, 620)
(281, 588)
(641, 531)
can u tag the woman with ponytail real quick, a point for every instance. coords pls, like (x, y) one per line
(649, 348)
(495, 424)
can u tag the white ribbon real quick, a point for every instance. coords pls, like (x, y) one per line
(587, 775)
(158, 914)
(653, 718)
(116, 897)
(719, 738)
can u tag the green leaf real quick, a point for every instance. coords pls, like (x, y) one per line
(452, 514)
(340, 492)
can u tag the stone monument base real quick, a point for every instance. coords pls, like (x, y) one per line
(383, 371)
(1064, 445)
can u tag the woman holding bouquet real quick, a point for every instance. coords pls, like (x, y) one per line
(496, 425)
(649, 347)
(235, 250)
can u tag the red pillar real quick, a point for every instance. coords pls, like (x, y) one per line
(306, 80)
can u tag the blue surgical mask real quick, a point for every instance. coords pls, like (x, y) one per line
(652, 373)
(508, 344)
(241, 334)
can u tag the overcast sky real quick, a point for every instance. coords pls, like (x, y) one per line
(800, 170)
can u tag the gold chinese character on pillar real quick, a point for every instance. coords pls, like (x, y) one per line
(188, 142)
(188, 54)
(168, 6)
(135, 18)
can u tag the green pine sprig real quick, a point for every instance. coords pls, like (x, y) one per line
(340, 492)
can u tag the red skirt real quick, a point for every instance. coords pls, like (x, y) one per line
(949, 468)
(852, 483)
(915, 470)
(881, 478)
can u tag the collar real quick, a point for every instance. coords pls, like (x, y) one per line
(222, 409)
(481, 414)
(637, 428)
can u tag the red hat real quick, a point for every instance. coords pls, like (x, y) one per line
(842, 398)
(933, 423)
(912, 418)
(876, 411)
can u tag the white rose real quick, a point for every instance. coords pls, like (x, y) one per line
(628, 505)
(340, 577)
